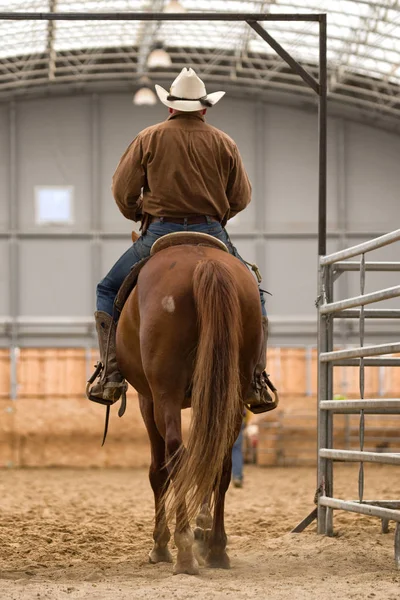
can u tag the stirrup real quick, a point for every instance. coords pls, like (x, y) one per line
(264, 406)
(108, 403)
(99, 367)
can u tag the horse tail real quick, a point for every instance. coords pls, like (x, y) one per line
(216, 390)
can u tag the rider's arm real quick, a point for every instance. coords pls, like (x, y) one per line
(238, 190)
(128, 181)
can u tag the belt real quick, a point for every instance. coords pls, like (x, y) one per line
(190, 220)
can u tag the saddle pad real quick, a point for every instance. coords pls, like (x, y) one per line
(178, 238)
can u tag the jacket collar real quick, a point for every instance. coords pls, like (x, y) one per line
(186, 115)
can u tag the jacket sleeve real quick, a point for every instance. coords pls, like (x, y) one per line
(239, 188)
(128, 181)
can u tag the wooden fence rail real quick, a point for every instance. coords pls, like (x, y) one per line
(50, 423)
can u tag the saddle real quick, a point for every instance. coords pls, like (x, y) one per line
(178, 238)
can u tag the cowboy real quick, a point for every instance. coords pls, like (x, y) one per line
(179, 175)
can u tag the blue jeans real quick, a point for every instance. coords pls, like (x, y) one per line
(108, 287)
(237, 457)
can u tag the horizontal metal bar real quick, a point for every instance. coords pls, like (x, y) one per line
(370, 313)
(386, 458)
(359, 352)
(368, 362)
(296, 67)
(253, 233)
(378, 242)
(383, 503)
(354, 265)
(153, 16)
(392, 292)
(391, 406)
(363, 509)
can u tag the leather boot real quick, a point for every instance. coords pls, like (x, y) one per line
(110, 384)
(260, 399)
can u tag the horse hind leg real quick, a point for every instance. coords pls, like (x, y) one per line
(161, 534)
(158, 475)
(186, 563)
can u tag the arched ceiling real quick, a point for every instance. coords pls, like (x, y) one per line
(363, 50)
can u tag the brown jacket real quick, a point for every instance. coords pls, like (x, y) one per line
(182, 167)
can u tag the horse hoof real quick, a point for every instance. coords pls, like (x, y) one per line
(218, 561)
(185, 568)
(157, 556)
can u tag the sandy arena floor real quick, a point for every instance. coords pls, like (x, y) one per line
(86, 534)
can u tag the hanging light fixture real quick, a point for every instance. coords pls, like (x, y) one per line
(174, 7)
(145, 95)
(158, 57)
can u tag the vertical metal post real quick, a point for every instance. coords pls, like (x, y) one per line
(322, 433)
(95, 201)
(13, 249)
(322, 118)
(343, 281)
(323, 341)
(329, 416)
(309, 386)
(13, 268)
(361, 381)
(260, 205)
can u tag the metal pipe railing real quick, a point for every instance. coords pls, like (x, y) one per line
(354, 265)
(370, 406)
(386, 294)
(359, 352)
(368, 362)
(385, 458)
(374, 244)
(361, 508)
(329, 267)
(370, 313)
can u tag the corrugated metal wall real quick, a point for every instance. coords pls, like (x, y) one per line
(48, 274)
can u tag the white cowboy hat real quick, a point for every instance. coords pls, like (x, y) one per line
(188, 93)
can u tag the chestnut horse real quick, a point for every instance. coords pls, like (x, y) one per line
(190, 335)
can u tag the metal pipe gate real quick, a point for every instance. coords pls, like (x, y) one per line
(330, 268)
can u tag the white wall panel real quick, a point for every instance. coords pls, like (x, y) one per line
(4, 166)
(290, 277)
(237, 119)
(372, 179)
(291, 171)
(54, 148)
(55, 278)
(246, 248)
(4, 278)
(111, 251)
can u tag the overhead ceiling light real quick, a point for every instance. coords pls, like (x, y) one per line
(158, 58)
(144, 97)
(174, 7)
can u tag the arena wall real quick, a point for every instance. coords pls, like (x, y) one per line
(51, 423)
